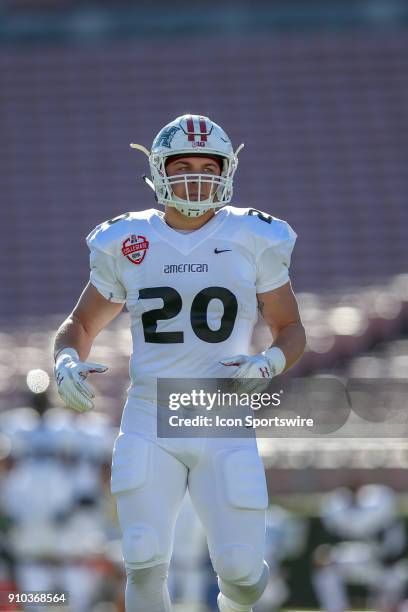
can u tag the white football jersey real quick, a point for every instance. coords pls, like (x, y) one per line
(191, 296)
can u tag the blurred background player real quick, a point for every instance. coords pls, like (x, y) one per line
(52, 497)
(370, 550)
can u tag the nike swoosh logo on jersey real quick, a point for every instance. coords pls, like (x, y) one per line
(221, 250)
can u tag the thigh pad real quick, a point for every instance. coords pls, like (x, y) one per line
(131, 463)
(243, 479)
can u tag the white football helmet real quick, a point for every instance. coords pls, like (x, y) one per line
(191, 135)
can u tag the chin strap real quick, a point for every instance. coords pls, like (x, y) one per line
(148, 182)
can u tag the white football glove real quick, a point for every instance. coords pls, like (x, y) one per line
(267, 364)
(70, 376)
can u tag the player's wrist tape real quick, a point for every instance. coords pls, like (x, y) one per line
(276, 359)
(73, 353)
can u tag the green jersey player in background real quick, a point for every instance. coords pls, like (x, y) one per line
(192, 279)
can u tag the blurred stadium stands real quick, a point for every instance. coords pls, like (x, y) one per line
(322, 116)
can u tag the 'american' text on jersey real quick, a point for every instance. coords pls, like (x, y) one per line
(185, 267)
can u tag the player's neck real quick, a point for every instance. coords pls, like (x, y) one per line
(178, 221)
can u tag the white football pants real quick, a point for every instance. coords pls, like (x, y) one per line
(227, 485)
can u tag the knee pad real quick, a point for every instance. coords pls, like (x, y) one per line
(140, 545)
(238, 563)
(245, 594)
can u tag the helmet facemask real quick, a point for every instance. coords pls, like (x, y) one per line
(203, 191)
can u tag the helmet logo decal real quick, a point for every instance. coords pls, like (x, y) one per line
(202, 131)
(164, 139)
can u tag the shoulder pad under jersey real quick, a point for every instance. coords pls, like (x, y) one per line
(260, 230)
(107, 236)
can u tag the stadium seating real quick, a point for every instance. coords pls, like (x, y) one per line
(321, 115)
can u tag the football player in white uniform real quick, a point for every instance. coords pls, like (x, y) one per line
(191, 278)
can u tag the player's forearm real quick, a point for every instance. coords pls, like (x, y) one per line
(73, 334)
(291, 339)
